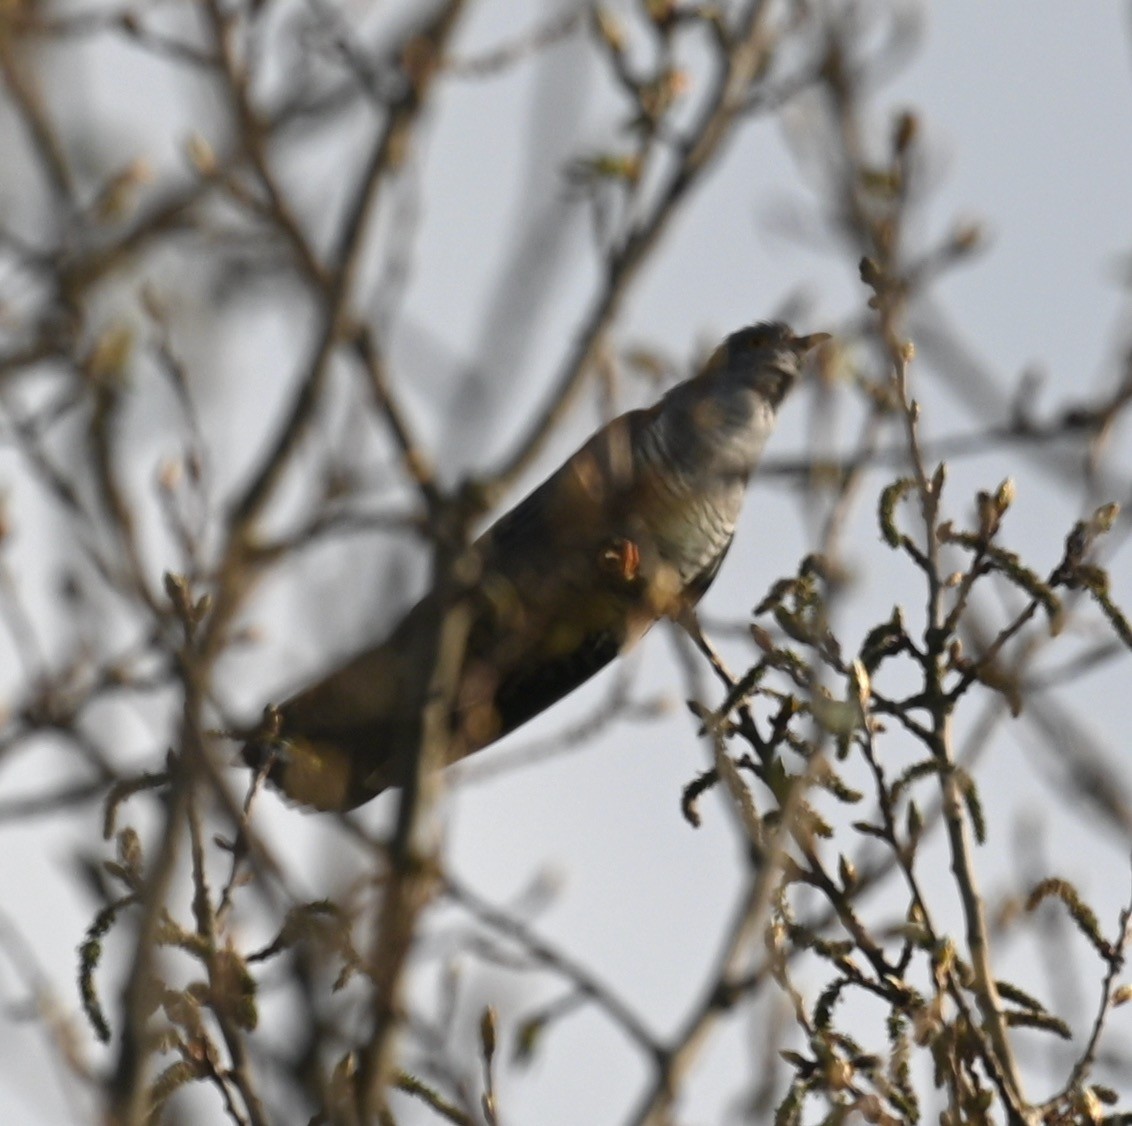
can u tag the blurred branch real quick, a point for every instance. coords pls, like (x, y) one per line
(42, 134)
(543, 953)
(522, 47)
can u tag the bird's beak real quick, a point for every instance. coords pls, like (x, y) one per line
(804, 344)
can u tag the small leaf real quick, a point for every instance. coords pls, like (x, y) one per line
(890, 497)
(1081, 914)
(488, 1021)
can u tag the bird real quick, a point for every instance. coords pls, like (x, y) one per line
(630, 529)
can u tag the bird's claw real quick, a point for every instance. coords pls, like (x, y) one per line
(621, 559)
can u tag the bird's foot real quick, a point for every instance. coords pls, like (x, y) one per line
(621, 558)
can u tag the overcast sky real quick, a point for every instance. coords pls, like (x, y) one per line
(1026, 112)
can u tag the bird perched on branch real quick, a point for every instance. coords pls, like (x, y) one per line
(632, 528)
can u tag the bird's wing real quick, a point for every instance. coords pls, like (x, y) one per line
(578, 505)
(552, 612)
(529, 689)
(547, 613)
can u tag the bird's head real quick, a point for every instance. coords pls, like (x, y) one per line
(767, 357)
(716, 423)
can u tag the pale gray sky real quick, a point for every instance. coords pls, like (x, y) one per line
(1026, 111)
